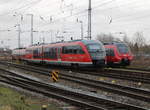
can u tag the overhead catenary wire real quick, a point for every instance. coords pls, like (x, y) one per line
(83, 11)
(21, 7)
(86, 10)
(77, 13)
(98, 6)
(74, 9)
(121, 17)
(94, 8)
(105, 9)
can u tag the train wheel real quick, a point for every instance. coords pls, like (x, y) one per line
(42, 62)
(125, 62)
(110, 64)
(74, 66)
(26, 62)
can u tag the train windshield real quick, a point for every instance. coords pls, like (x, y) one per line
(122, 48)
(91, 47)
(95, 47)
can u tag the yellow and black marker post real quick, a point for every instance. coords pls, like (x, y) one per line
(54, 75)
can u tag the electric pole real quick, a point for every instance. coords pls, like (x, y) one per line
(51, 36)
(31, 34)
(19, 28)
(89, 20)
(81, 29)
(81, 22)
(19, 31)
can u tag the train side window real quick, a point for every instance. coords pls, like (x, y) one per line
(107, 52)
(77, 50)
(112, 52)
(35, 53)
(72, 50)
(29, 51)
(58, 52)
(46, 52)
(52, 53)
(49, 52)
(66, 50)
(39, 52)
(63, 50)
(80, 50)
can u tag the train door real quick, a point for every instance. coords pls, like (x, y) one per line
(42, 53)
(58, 53)
(110, 55)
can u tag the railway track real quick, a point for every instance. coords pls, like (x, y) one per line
(83, 100)
(138, 69)
(128, 75)
(124, 74)
(136, 76)
(131, 92)
(131, 71)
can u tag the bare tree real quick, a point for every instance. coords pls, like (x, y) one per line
(106, 37)
(126, 39)
(139, 43)
(139, 39)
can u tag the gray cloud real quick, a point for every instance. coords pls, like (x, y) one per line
(127, 15)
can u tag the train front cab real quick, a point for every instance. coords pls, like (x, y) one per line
(118, 54)
(112, 56)
(124, 53)
(97, 53)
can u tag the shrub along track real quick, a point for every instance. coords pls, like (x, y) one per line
(80, 99)
(131, 92)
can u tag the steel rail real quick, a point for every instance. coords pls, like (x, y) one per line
(124, 75)
(77, 98)
(132, 92)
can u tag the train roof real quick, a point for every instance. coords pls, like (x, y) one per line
(112, 43)
(79, 40)
(18, 48)
(90, 41)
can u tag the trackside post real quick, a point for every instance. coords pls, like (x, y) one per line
(54, 75)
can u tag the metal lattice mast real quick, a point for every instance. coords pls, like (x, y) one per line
(31, 34)
(89, 20)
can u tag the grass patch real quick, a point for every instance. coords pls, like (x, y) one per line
(12, 100)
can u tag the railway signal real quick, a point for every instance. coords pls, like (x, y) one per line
(54, 75)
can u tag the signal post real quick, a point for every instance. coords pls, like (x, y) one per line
(54, 75)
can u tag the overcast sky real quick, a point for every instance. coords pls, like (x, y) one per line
(59, 17)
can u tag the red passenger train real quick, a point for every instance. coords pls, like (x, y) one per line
(118, 53)
(72, 53)
(19, 54)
